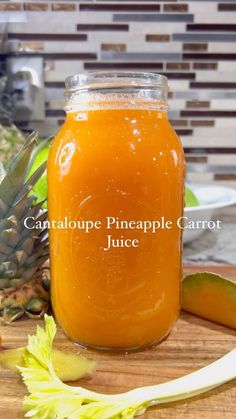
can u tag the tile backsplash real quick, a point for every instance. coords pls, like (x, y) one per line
(192, 42)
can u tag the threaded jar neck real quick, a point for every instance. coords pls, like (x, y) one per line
(105, 90)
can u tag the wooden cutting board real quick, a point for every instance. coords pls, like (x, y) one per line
(192, 344)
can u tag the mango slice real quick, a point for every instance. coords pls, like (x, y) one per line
(68, 366)
(210, 296)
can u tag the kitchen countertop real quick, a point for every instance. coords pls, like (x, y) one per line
(215, 247)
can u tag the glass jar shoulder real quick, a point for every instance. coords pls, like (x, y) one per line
(123, 134)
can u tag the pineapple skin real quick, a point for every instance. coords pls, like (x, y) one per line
(11, 139)
(24, 282)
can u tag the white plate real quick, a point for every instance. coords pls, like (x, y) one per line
(210, 198)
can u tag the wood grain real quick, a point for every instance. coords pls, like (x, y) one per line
(193, 343)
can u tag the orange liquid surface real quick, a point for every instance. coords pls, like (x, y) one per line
(127, 164)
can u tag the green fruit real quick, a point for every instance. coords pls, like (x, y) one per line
(40, 188)
(190, 198)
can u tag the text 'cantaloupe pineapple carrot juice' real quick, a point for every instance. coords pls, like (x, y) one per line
(116, 172)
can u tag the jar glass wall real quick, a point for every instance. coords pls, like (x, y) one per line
(117, 162)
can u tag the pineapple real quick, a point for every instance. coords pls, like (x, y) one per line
(24, 282)
(11, 139)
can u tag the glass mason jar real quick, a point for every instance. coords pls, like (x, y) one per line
(116, 172)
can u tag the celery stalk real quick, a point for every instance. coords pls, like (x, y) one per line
(50, 398)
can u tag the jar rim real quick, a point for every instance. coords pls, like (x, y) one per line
(112, 79)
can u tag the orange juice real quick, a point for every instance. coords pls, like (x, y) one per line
(115, 167)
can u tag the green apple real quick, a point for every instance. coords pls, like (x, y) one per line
(40, 188)
(190, 198)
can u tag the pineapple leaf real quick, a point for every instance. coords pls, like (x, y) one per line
(40, 146)
(30, 183)
(23, 251)
(16, 172)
